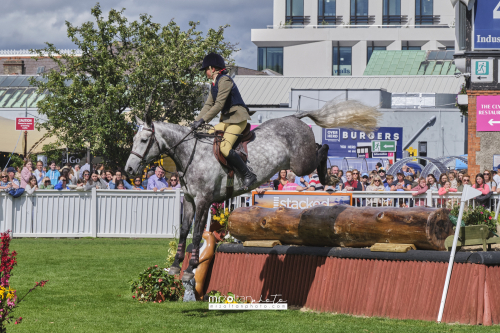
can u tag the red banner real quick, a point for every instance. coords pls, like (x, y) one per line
(25, 124)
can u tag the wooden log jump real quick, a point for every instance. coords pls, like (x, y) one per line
(342, 225)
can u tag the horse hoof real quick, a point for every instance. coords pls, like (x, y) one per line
(174, 271)
(187, 277)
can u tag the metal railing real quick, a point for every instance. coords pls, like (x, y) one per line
(142, 214)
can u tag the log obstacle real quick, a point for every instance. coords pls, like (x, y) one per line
(342, 225)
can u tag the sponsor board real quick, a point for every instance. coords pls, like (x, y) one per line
(300, 200)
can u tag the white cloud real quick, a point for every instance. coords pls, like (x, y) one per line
(28, 24)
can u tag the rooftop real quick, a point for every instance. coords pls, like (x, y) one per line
(275, 90)
(411, 62)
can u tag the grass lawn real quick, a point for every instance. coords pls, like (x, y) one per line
(88, 291)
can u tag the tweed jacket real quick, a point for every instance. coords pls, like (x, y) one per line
(236, 114)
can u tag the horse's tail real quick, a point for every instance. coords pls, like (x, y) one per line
(345, 114)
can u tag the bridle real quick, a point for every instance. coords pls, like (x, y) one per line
(152, 140)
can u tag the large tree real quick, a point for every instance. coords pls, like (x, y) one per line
(141, 66)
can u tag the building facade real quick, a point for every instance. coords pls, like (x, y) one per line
(337, 37)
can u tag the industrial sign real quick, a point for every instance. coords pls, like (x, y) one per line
(25, 124)
(350, 143)
(488, 114)
(384, 146)
(487, 24)
(482, 70)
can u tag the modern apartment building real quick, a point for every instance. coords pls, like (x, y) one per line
(337, 37)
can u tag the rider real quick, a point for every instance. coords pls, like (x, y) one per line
(225, 97)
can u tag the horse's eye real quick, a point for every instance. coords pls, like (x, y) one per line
(144, 139)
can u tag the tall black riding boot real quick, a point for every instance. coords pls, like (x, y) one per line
(237, 163)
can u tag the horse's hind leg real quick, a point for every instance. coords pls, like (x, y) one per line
(199, 226)
(322, 160)
(187, 219)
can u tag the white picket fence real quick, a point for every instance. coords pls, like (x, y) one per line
(96, 213)
(142, 214)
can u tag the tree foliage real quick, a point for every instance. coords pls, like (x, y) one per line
(141, 66)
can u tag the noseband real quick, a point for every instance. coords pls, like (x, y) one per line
(152, 140)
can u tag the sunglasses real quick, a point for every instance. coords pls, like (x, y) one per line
(377, 181)
(173, 180)
(487, 173)
(355, 173)
(465, 180)
(137, 180)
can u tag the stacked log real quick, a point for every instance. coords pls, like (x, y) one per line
(342, 225)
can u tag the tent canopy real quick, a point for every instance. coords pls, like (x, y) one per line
(9, 137)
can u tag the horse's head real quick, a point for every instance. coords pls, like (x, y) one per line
(144, 149)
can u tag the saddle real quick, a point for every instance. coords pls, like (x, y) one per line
(240, 146)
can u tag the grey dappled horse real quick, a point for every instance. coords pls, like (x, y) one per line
(282, 143)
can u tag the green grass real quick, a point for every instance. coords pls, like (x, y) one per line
(88, 291)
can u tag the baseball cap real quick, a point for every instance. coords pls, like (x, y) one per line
(11, 169)
(364, 175)
(381, 170)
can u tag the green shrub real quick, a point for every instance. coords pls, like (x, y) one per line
(155, 285)
(476, 216)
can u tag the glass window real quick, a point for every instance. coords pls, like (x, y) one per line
(294, 7)
(392, 7)
(392, 12)
(359, 7)
(327, 7)
(373, 48)
(411, 48)
(270, 58)
(423, 11)
(342, 60)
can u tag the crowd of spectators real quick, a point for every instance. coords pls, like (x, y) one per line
(377, 180)
(32, 178)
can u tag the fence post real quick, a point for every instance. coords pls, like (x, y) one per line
(177, 212)
(9, 224)
(429, 198)
(94, 219)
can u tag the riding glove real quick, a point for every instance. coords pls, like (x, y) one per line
(197, 123)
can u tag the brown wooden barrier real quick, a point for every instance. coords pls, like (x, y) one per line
(392, 288)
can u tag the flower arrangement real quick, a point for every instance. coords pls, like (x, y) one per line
(220, 214)
(8, 296)
(477, 215)
(155, 285)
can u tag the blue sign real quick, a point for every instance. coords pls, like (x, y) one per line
(349, 143)
(487, 24)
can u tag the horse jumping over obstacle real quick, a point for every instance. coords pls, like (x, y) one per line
(282, 143)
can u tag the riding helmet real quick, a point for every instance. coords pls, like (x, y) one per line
(214, 60)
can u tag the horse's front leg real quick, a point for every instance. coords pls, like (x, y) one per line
(199, 225)
(187, 219)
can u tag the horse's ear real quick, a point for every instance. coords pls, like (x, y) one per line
(138, 121)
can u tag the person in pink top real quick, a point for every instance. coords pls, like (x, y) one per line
(421, 188)
(445, 190)
(26, 173)
(291, 186)
(480, 184)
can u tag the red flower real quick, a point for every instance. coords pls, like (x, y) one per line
(490, 217)
(133, 296)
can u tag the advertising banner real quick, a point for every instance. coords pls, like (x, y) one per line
(487, 24)
(299, 200)
(350, 143)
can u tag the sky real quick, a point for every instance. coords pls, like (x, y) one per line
(29, 24)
